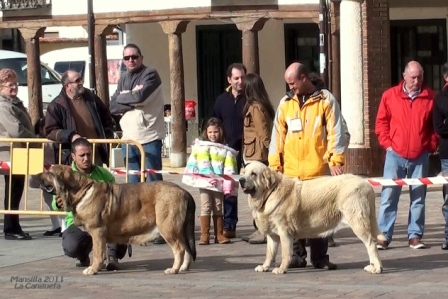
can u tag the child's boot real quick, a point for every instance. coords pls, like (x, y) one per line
(205, 230)
(218, 222)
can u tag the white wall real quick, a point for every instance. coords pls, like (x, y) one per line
(272, 59)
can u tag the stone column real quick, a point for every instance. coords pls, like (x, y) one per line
(352, 70)
(365, 75)
(102, 82)
(335, 63)
(174, 30)
(34, 80)
(250, 28)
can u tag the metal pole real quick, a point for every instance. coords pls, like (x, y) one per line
(323, 57)
(91, 35)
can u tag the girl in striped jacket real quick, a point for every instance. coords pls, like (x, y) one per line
(210, 159)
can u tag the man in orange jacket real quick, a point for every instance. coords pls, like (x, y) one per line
(308, 140)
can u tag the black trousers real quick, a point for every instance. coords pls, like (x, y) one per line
(77, 243)
(11, 222)
(318, 248)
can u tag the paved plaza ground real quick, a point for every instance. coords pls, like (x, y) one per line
(227, 271)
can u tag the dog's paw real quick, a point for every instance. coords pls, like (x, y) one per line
(171, 271)
(372, 269)
(184, 268)
(279, 270)
(261, 268)
(89, 271)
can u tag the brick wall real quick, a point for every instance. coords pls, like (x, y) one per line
(377, 70)
(376, 78)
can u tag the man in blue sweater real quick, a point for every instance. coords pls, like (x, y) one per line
(229, 109)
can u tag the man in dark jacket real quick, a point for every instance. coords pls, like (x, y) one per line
(440, 120)
(76, 112)
(229, 109)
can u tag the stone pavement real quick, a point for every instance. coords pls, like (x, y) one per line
(227, 271)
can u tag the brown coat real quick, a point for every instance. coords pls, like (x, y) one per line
(257, 134)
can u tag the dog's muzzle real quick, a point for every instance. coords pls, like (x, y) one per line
(245, 188)
(242, 182)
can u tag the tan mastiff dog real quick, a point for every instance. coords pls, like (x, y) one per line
(286, 208)
(126, 213)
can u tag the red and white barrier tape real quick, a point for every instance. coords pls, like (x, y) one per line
(438, 180)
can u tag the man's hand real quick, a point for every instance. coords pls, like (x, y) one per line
(59, 202)
(124, 91)
(138, 87)
(76, 136)
(336, 170)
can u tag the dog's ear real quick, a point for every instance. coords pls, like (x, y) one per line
(269, 178)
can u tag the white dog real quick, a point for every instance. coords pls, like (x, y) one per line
(286, 208)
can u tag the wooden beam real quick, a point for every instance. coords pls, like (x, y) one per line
(102, 82)
(250, 28)
(174, 30)
(34, 80)
(305, 11)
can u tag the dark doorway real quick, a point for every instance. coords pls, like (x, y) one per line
(420, 40)
(302, 44)
(217, 46)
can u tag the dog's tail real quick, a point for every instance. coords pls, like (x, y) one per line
(189, 226)
(376, 233)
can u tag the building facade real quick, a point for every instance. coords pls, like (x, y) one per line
(191, 43)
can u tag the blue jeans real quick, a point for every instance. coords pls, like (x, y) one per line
(395, 167)
(153, 160)
(444, 164)
(230, 212)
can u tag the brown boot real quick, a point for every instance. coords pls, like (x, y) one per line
(205, 230)
(218, 222)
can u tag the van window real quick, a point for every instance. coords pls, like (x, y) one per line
(63, 66)
(19, 65)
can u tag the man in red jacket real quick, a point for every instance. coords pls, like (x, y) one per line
(404, 129)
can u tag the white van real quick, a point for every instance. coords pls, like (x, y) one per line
(78, 59)
(51, 80)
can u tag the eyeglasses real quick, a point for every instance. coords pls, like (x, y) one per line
(134, 57)
(77, 81)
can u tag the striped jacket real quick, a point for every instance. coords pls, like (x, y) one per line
(320, 143)
(210, 158)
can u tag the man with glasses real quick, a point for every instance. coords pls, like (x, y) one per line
(76, 112)
(140, 100)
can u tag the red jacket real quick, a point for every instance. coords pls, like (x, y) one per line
(405, 124)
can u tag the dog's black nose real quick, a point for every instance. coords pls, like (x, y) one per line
(242, 181)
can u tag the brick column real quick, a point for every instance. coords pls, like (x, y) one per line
(376, 77)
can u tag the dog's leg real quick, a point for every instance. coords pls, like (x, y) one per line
(271, 252)
(178, 253)
(361, 228)
(99, 247)
(187, 262)
(287, 243)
